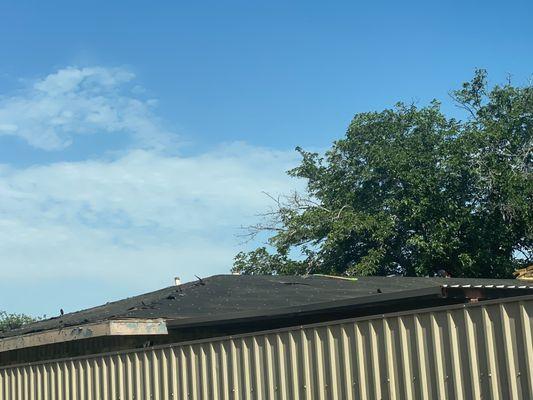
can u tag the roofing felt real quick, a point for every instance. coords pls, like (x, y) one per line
(221, 295)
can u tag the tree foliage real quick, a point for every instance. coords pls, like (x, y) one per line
(13, 321)
(410, 191)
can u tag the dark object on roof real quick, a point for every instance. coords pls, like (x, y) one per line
(442, 273)
(225, 297)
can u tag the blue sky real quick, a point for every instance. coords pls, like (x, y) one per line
(136, 138)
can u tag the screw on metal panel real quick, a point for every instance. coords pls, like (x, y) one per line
(518, 374)
(490, 375)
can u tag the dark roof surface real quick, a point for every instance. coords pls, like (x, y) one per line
(221, 295)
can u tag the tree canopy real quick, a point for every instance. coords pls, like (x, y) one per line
(410, 191)
(13, 321)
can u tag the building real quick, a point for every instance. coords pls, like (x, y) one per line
(279, 337)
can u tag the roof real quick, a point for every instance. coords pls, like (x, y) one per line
(223, 297)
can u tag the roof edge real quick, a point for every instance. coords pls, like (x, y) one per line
(124, 327)
(412, 298)
(372, 300)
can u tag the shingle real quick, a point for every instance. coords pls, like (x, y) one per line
(229, 294)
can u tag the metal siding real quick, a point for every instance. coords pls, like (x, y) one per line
(475, 351)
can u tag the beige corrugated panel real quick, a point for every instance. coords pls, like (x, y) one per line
(479, 351)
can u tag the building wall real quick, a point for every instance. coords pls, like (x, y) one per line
(480, 350)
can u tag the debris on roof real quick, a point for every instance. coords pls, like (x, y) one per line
(218, 297)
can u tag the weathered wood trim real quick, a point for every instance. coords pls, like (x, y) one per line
(129, 327)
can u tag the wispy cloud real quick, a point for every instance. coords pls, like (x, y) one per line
(49, 112)
(130, 221)
(143, 210)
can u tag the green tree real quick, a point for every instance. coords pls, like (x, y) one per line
(410, 191)
(13, 321)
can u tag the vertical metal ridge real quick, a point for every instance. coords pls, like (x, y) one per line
(204, 379)
(46, 383)
(174, 373)
(472, 354)
(306, 363)
(73, 383)
(406, 359)
(241, 370)
(165, 379)
(112, 378)
(422, 357)
(479, 351)
(319, 362)
(7, 384)
(145, 374)
(224, 387)
(347, 355)
(128, 369)
(94, 379)
(269, 365)
(26, 389)
(362, 370)
(282, 370)
(439, 359)
(103, 382)
(456, 357)
(509, 353)
(157, 374)
(374, 359)
(18, 384)
(234, 382)
(390, 359)
(333, 375)
(214, 372)
(527, 334)
(118, 376)
(293, 362)
(491, 354)
(193, 372)
(183, 373)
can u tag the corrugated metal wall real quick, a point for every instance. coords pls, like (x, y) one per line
(479, 351)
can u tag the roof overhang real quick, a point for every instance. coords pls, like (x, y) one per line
(373, 304)
(128, 327)
(363, 305)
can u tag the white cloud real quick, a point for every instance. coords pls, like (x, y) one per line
(131, 222)
(50, 112)
(142, 212)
